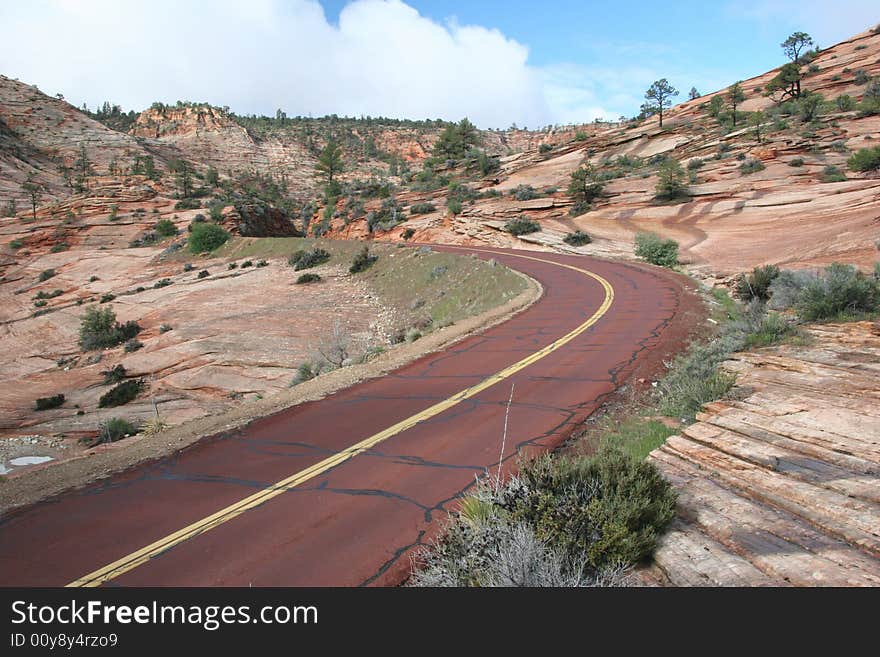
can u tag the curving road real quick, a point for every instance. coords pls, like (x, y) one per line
(340, 491)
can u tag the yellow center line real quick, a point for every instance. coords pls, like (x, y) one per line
(139, 557)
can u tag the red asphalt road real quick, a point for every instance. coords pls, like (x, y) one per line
(359, 522)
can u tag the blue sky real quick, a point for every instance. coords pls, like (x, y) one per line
(499, 63)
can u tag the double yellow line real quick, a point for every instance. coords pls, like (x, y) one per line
(139, 557)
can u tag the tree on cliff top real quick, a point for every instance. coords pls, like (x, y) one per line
(659, 96)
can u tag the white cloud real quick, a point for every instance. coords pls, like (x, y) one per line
(828, 22)
(383, 58)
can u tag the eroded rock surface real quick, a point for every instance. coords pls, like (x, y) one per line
(782, 487)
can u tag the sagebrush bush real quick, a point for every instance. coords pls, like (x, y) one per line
(307, 259)
(422, 208)
(122, 393)
(694, 377)
(562, 521)
(46, 274)
(577, 238)
(843, 291)
(832, 174)
(362, 261)
(100, 330)
(524, 193)
(796, 162)
(657, 251)
(756, 285)
(307, 278)
(522, 226)
(751, 165)
(46, 403)
(115, 429)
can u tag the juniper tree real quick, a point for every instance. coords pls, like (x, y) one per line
(735, 95)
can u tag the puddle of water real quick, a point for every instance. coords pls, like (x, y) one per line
(22, 461)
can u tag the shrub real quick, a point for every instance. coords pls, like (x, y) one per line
(577, 238)
(524, 193)
(796, 162)
(670, 183)
(307, 278)
(115, 429)
(751, 165)
(16, 244)
(40, 303)
(580, 136)
(99, 329)
(861, 77)
(413, 334)
(58, 248)
(832, 174)
(770, 329)
(454, 206)
(165, 228)
(46, 274)
(545, 148)
(584, 187)
(362, 261)
(247, 263)
(164, 328)
(578, 208)
(559, 522)
(522, 226)
(162, 282)
(422, 208)
(204, 273)
(756, 285)
(262, 263)
(408, 233)
(133, 345)
(48, 295)
(107, 298)
(206, 237)
(306, 372)
(866, 159)
(121, 394)
(842, 292)
(657, 251)
(232, 265)
(114, 374)
(188, 204)
(46, 403)
(308, 259)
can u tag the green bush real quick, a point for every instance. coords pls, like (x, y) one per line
(841, 293)
(46, 403)
(580, 136)
(577, 238)
(115, 429)
(114, 374)
(307, 278)
(121, 394)
(751, 165)
(308, 259)
(100, 330)
(133, 345)
(756, 285)
(845, 103)
(203, 274)
(454, 206)
(46, 274)
(206, 237)
(16, 244)
(165, 228)
(362, 261)
(408, 233)
(559, 522)
(422, 208)
(652, 248)
(545, 148)
(609, 507)
(796, 162)
(832, 174)
(866, 159)
(522, 226)
(524, 193)
(188, 204)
